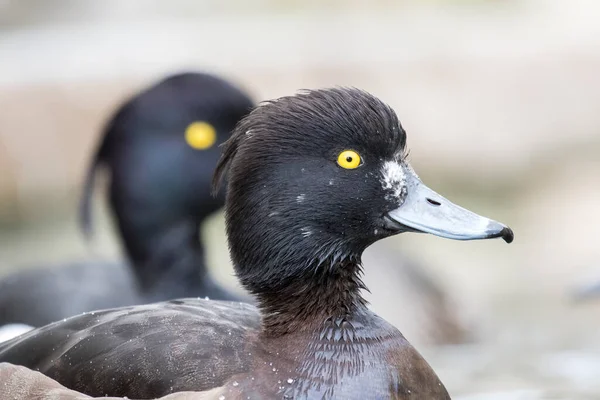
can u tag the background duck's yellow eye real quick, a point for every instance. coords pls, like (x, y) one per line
(348, 159)
(200, 135)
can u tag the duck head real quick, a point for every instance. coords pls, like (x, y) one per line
(317, 177)
(161, 148)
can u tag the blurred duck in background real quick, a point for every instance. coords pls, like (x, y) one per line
(160, 150)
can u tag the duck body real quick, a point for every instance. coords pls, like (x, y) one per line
(341, 357)
(313, 180)
(89, 286)
(160, 149)
(54, 284)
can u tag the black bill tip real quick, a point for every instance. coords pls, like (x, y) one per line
(505, 233)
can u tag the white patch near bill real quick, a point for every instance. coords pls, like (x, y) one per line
(393, 180)
(300, 198)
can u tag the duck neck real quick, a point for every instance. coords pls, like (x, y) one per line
(167, 260)
(326, 292)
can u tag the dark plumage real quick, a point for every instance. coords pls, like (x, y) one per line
(159, 194)
(300, 210)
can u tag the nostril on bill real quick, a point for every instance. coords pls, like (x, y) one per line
(433, 202)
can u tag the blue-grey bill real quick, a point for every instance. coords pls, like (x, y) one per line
(426, 211)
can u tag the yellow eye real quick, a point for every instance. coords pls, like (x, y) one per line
(349, 159)
(200, 135)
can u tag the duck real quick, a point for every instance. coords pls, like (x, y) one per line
(160, 148)
(313, 179)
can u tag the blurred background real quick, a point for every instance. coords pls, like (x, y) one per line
(500, 100)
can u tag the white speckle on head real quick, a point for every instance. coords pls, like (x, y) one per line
(306, 232)
(300, 198)
(393, 180)
(331, 182)
(274, 213)
(249, 133)
(375, 231)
